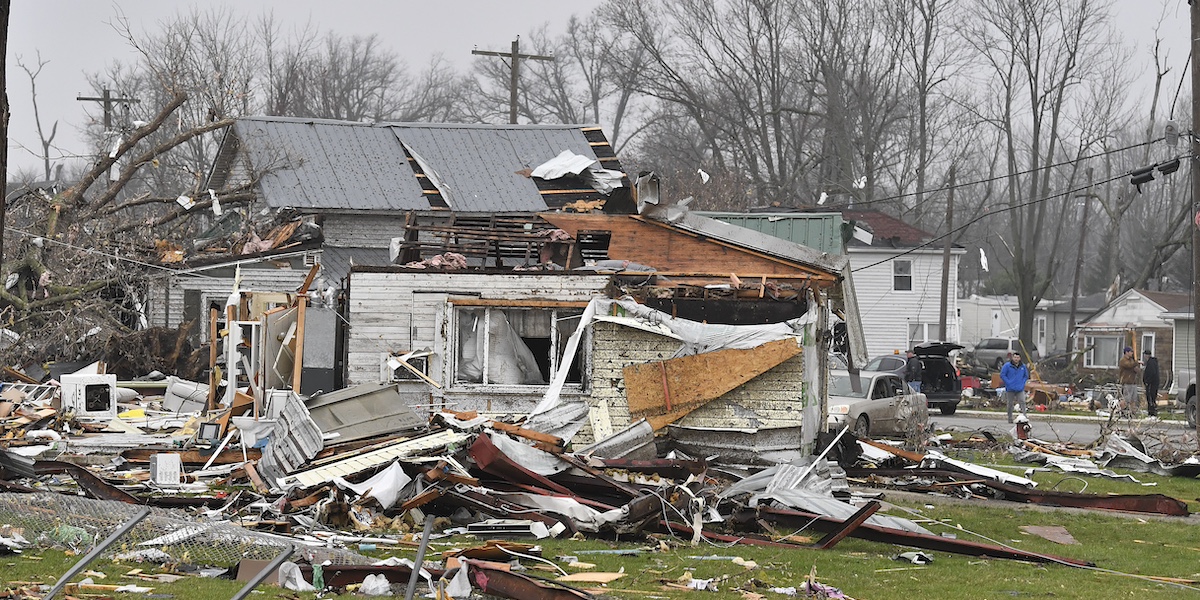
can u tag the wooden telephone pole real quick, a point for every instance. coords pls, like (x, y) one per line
(943, 316)
(106, 99)
(515, 57)
(1195, 224)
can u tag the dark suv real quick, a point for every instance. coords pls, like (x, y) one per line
(940, 379)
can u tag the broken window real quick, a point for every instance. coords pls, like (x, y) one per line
(1104, 351)
(514, 346)
(902, 280)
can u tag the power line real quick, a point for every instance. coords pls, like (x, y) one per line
(992, 213)
(1010, 175)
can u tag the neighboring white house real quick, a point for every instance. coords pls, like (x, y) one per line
(898, 281)
(987, 316)
(897, 278)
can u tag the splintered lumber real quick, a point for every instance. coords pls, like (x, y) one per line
(664, 391)
(902, 453)
(528, 434)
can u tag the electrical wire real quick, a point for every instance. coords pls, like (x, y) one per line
(93, 251)
(532, 557)
(1181, 79)
(1005, 176)
(997, 211)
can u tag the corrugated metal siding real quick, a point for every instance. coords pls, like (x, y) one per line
(391, 312)
(479, 166)
(330, 165)
(886, 314)
(821, 231)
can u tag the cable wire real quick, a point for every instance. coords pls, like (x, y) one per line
(1006, 175)
(997, 211)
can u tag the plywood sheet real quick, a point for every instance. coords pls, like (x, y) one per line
(664, 391)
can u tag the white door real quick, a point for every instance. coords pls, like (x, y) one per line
(1039, 335)
(995, 323)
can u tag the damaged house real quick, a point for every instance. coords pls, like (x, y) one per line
(335, 193)
(503, 268)
(664, 319)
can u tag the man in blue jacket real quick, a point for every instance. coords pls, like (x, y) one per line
(1014, 375)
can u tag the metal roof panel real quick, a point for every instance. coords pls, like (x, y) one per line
(479, 164)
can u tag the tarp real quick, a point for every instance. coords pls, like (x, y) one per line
(695, 337)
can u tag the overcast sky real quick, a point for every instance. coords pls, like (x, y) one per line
(76, 38)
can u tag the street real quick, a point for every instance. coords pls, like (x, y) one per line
(1051, 428)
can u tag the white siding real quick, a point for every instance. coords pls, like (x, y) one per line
(166, 301)
(1129, 311)
(976, 321)
(1183, 358)
(397, 312)
(886, 314)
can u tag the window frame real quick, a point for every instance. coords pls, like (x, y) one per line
(1089, 358)
(1152, 337)
(896, 277)
(559, 313)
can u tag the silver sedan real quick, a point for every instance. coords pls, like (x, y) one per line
(880, 405)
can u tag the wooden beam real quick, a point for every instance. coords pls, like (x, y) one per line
(312, 274)
(298, 358)
(517, 303)
(213, 379)
(848, 526)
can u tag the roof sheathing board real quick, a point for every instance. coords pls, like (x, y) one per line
(321, 165)
(479, 165)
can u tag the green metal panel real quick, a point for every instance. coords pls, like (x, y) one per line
(819, 231)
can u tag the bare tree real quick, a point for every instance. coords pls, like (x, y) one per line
(1038, 54)
(46, 140)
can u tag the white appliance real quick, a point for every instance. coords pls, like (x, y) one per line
(90, 396)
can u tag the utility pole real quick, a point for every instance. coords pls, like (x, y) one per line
(106, 99)
(1087, 203)
(5, 6)
(942, 316)
(515, 57)
(1195, 225)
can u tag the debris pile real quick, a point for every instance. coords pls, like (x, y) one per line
(285, 484)
(875, 464)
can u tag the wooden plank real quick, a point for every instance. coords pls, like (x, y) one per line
(848, 526)
(214, 379)
(518, 303)
(902, 453)
(528, 434)
(664, 391)
(298, 361)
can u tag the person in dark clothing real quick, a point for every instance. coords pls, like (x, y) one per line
(913, 372)
(1150, 380)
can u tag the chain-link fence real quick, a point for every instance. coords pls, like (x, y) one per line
(75, 522)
